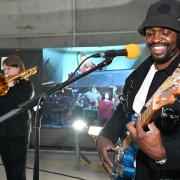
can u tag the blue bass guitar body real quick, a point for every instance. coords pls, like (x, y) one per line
(124, 164)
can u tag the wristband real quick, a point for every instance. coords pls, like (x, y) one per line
(162, 161)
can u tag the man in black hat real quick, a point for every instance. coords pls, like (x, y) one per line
(158, 154)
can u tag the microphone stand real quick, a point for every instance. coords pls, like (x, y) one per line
(53, 90)
(37, 127)
(24, 106)
(32, 102)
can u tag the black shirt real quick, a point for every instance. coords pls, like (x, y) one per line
(19, 124)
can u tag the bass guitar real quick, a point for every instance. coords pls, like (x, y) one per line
(124, 161)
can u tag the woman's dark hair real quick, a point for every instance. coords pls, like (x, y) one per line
(107, 92)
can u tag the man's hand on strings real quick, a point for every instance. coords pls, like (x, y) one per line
(150, 142)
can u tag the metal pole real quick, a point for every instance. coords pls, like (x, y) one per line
(78, 162)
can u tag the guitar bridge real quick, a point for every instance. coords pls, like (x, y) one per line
(124, 163)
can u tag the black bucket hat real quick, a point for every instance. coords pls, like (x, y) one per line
(164, 13)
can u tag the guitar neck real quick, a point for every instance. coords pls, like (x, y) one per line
(156, 101)
(147, 114)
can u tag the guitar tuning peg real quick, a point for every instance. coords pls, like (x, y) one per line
(118, 145)
(119, 142)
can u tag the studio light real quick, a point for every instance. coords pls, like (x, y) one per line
(79, 125)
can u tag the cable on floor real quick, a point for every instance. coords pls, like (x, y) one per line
(51, 172)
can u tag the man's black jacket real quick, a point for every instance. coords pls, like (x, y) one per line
(169, 125)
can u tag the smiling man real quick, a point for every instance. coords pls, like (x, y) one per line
(162, 44)
(158, 155)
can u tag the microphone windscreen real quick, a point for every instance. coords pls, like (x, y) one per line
(133, 51)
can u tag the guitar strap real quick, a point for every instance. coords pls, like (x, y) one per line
(159, 82)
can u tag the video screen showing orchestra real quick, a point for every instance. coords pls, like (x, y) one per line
(92, 98)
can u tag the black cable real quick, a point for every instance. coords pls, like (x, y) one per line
(61, 174)
(51, 172)
(73, 74)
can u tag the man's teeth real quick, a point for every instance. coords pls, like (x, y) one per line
(158, 47)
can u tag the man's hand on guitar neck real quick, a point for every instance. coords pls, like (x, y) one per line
(103, 145)
(149, 142)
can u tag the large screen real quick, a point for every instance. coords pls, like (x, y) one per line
(92, 98)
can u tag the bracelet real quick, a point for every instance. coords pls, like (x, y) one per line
(162, 161)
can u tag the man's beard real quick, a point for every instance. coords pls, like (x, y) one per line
(167, 57)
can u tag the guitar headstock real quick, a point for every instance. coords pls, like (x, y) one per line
(167, 95)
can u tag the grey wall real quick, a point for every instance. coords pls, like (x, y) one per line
(63, 139)
(68, 23)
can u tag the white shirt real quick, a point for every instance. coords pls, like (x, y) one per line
(141, 95)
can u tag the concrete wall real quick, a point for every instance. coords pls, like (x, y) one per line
(63, 138)
(68, 23)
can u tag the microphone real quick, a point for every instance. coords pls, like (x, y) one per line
(130, 51)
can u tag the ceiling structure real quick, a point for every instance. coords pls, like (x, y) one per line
(70, 23)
